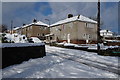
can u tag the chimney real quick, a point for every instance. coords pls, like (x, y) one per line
(70, 15)
(34, 20)
(24, 24)
(78, 16)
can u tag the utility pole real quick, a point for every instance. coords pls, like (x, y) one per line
(11, 29)
(98, 29)
(48, 21)
(11, 25)
(49, 29)
(26, 31)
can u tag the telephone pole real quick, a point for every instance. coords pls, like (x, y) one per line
(11, 29)
(11, 25)
(48, 21)
(98, 29)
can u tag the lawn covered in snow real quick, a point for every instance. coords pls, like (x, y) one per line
(53, 66)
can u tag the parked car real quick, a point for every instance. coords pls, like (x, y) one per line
(34, 40)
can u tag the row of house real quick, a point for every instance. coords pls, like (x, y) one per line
(78, 29)
(34, 29)
(74, 29)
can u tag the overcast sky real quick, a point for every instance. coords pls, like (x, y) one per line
(25, 12)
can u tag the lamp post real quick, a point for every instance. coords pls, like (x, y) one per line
(11, 25)
(98, 27)
(48, 21)
(49, 29)
(11, 29)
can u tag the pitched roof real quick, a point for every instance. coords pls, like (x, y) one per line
(104, 31)
(16, 28)
(79, 18)
(37, 23)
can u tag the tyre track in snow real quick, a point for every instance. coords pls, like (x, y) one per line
(107, 64)
(96, 64)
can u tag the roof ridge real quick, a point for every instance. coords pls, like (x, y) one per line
(74, 18)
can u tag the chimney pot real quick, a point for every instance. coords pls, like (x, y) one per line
(70, 15)
(23, 24)
(34, 20)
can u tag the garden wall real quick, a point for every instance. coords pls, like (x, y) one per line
(15, 53)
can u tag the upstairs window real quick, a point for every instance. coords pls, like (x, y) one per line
(31, 27)
(89, 25)
(45, 27)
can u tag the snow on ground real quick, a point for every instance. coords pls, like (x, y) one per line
(87, 55)
(89, 46)
(52, 66)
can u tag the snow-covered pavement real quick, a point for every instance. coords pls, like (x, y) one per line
(65, 63)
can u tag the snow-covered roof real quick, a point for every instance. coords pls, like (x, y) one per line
(16, 28)
(117, 36)
(37, 23)
(79, 18)
(104, 31)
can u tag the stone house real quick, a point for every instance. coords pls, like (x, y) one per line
(106, 33)
(78, 29)
(35, 29)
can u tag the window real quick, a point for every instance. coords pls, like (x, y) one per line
(43, 34)
(71, 24)
(31, 27)
(84, 35)
(50, 38)
(86, 24)
(42, 28)
(45, 27)
(89, 25)
(62, 27)
(28, 28)
(56, 29)
(87, 36)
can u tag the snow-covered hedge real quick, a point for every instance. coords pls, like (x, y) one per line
(3, 45)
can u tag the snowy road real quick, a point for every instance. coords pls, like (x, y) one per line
(65, 63)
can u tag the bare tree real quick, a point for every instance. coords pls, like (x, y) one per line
(3, 28)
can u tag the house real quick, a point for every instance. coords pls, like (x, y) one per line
(75, 29)
(110, 38)
(106, 33)
(16, 30)
(34, 29)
